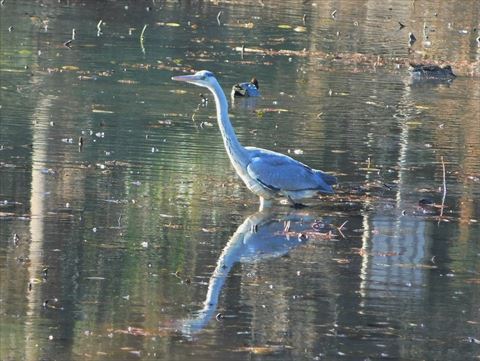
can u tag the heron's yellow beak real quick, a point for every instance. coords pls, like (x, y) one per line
(187, 78)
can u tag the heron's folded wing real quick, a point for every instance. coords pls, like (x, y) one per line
(279, 172)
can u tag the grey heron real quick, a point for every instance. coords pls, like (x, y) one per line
(266, 173)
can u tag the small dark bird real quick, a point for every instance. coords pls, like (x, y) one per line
(247, 89)
(411, 39)
(431, 71)
(68, 43)
(401, 25)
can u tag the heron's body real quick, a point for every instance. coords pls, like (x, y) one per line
(266, 173)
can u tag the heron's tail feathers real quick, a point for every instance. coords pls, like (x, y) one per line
(327, 178)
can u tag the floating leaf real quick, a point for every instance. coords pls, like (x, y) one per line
(241, 25)
(272, 110)
(25, 52)
(136, 331)
(413, 123)
(86, 77)
(102, 111)
(168, 24)
(284, 26)
(422, 107)
(127, 81)
(12, 71)
(264, 350)
(165, 215)
(370, 169)
(164, 122)
(412, 265)
(70, 67)
(300, 29)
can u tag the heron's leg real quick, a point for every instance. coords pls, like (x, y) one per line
(295, 204)
(265, 203)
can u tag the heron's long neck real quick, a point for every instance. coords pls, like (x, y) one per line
(235, 150)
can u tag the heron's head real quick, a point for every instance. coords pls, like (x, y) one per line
(203, 78)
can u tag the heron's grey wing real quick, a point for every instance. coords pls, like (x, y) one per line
(280, 172)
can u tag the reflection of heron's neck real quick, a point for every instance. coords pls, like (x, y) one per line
(235, 150)
(233, 252)
(230, 255)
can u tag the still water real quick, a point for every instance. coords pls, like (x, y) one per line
(143, 244)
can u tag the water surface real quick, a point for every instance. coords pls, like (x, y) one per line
(144, 244)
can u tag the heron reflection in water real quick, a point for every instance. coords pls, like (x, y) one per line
(261, 236)
(266, 173)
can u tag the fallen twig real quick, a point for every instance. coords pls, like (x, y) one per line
(339, 229)
(444, 187)
(142, 38)
(99, 29)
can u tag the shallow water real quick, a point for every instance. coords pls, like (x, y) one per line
(144, 244)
